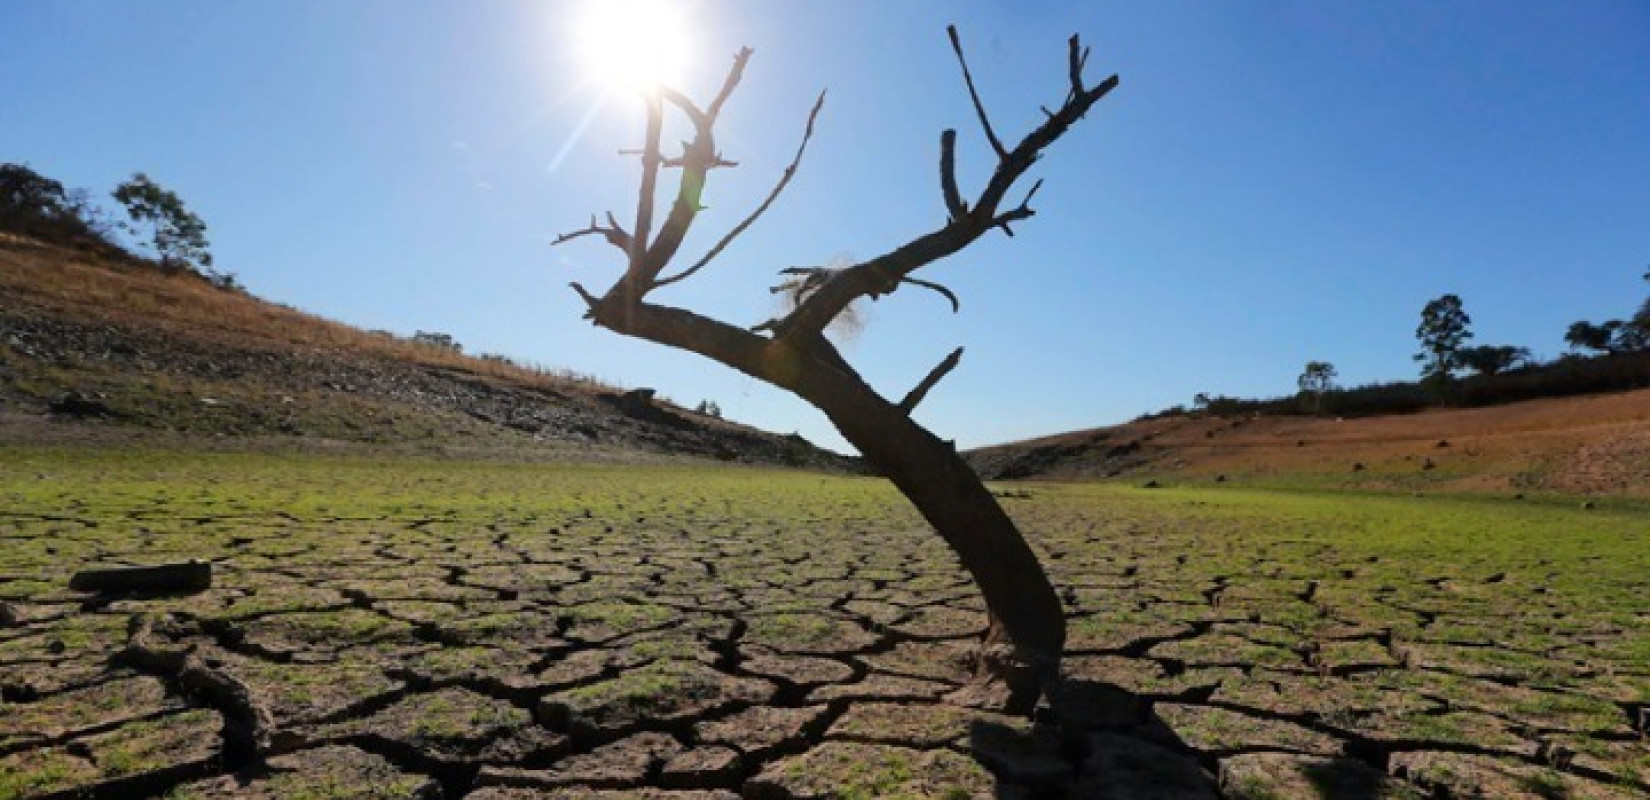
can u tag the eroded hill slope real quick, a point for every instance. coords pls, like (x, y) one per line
(123, 346)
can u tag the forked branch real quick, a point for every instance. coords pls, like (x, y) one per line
(965, 224)
(614, 234)
(784, 179)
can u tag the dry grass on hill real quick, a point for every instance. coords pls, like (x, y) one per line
(85, 288)
(1590, 444)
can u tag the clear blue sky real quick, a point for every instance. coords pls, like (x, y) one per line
(1274, 182)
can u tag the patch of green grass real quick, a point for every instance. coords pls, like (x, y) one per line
(298, 787)
(33, 773)
(811, 628)
(1539, 591)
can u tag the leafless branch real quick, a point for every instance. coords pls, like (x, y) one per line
(956, 305)
(650, 180)
(1022, 211)
(1033, 193)
(1077, 57)
(954, 204)
(614, 234)
(884, 274)
(589, 299)
(699, 156)
(909, 404)
(985, 121)
(732, 81)
(682, 161)
(808, 279)
(790, 172)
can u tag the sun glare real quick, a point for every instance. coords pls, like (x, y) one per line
(634, 45)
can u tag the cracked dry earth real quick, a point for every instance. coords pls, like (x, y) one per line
(782, 636)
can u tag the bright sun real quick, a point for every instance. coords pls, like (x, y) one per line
(634, 45)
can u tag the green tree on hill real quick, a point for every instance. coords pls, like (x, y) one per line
(1613, 337)
(1442, 331)
(1599, 337)
(35, 205)
(176, 234)
(1316, 380)
(1492, 359)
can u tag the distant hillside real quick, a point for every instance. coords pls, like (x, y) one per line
(114, 343)
(1593, 444)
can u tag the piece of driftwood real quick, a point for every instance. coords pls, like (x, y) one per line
(187, 576)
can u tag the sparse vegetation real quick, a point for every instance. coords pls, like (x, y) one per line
(176, 234)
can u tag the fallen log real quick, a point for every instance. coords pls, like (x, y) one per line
(184, 577)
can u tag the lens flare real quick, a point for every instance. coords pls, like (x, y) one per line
(634, 45)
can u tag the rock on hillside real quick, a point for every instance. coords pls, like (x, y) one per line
(89, 341)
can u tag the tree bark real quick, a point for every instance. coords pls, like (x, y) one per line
(1022, 648)
(1027, 631)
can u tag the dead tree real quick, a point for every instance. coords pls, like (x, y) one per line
(1022, 648)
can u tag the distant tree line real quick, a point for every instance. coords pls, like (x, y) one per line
(1613, 355)
(157, 219)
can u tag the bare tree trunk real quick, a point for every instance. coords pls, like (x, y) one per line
(1028, 630)
(1022, 649)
